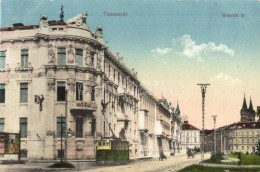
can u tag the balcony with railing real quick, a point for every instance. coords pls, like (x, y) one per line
(83, 108)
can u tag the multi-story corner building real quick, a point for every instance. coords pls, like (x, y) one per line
(58, 79)
(59, 75)
(191, 136)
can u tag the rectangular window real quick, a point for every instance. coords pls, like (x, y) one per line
(79, 127)
(2, 93)
(2, 124)
(61, 56)
(93, 92)
(61, 90)
(104, 66)
(114, 75)
(23, 127)
(93, 127)
(24, 58)
(79, 91)
(92, 58)
(187, 139)
(123, 81)
(23, 92)
(109, 71)
(2, 59)
(61, 122)
(118, 78)
(79, 57)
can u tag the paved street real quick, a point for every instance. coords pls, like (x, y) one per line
(173, 163)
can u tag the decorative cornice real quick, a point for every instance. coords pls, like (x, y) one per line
(91, 41)
(5, 70)
(22, 69)
(70, 67)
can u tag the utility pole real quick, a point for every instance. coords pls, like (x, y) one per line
(215, 148)
(203, 91)
(104, 106)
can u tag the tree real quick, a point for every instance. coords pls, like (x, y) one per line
(239, 158)
(258, 148)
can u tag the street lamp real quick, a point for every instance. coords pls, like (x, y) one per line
(214, 118)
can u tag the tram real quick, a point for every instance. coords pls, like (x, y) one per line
(112, 151)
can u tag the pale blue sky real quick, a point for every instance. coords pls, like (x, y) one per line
(173, 45)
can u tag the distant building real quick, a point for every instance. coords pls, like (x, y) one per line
(209, 140)
(190, 136)
(146, 123)
(238, 137)
(163, 126)
(176, 131)
(247, 114)
(242, 136)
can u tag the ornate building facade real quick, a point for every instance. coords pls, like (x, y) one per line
(238, 137)
(176, 131)
(146, 123)
(55, 79)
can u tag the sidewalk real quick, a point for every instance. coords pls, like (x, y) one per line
(137, 164)
(228, 165)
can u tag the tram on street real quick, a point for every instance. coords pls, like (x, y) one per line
(112, 151)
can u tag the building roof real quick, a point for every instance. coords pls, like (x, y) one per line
(244, 106)
(54, 22)
(177, 111)
(241, 125)
(208, 132)
(21, 27)
(248, 125)
(187, 126)
(251, 109)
